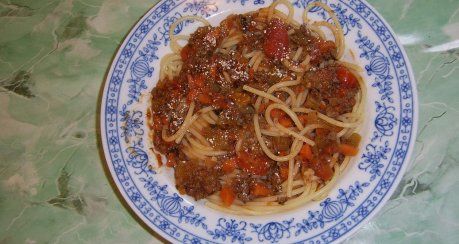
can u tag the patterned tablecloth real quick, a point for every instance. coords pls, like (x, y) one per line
(53, 186)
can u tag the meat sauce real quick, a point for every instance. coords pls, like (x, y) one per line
(249, 172)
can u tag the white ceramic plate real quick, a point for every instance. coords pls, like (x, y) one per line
(388, 132)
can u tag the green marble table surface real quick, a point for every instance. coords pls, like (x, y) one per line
(53, 186)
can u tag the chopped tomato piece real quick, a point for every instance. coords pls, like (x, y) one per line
(185, 52)
(175, 84)
(251, 73)
(205, 98)
(259, 189)
(263, 107)
(195, 81)
(230, 165)
(213, 72)
(322, 48)
(164, 119)
(326, 46)
(220, 101)
(240, 98)
(276, 43)
(252, 26)
(159, 121)
(258, 165)
(176, 93)
(227, 195)
(192, 95)
(171, 158)
(342, 92)
(159, 160)
(214, 34)
(346, 78)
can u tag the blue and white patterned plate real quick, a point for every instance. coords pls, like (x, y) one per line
(388, 132)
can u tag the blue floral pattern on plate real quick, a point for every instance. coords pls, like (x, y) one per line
(388, 132)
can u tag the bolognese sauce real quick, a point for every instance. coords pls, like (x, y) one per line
(254, 89)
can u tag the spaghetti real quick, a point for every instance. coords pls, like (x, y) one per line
(259, 114)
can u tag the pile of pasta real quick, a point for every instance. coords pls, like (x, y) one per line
(299, 187)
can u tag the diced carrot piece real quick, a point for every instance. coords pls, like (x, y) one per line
(337, 129)
(159, 159)
(303, 118)
(227, 195)
(286, 121)
(306, 152)
(229, 165)
(321, 131)
(330, 149)
(348, 150)
(299, 89)
(287, 78)
(322, 106)
(276, 113)
(323, 171)
(259, 189)
(283, 171)
(263, 107)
